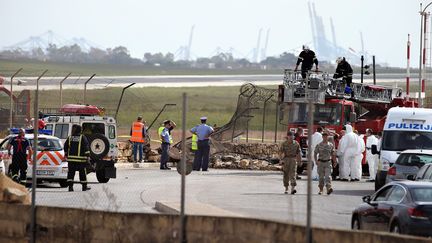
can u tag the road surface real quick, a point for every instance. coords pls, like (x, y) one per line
(256, 194)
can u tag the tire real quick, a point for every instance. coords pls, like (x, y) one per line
(355, 225)
(100, 175)
(99, 146)
(395, 228)
(63, 183)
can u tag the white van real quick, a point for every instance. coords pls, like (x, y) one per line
(405, 128)
(102, 136)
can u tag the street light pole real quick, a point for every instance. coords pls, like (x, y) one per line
(422, 15)
(11, 99)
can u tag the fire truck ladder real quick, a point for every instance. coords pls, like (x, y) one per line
(325, 87)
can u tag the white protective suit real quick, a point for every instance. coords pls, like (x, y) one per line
(342, 173)
(316, 139)
(349, 148)
(372, 159)
(356, 168)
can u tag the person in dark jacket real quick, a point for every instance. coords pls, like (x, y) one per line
(77, 152)
(307, 58)
(344, 71)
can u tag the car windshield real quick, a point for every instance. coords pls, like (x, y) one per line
(403, 140)
(414, 159)
(328, 114)
(422, 194)
(48, 144)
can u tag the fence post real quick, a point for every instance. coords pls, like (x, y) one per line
(11, 99)
(35, 142)
(183, 237)
(61, 89)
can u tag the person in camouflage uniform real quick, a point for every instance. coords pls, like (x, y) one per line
(289, 156)
(325, 156)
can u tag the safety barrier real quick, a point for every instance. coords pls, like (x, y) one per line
(78, 225)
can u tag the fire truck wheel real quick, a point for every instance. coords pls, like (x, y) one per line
(99, 146)
(100, 175)
(63, 183)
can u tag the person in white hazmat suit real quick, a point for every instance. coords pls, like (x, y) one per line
(339, 154)
(349, 148)
(372, 159)
(357, 172)
(316, 139)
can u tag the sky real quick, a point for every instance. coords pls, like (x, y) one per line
(163, 26)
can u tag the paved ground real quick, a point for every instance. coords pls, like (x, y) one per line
(245, 193)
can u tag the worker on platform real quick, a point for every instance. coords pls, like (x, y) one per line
(203, 132)
(372, 159)
(324, 155)
(343, 70)
(307, 58)
(138, 134)
(77, 152)
(21, 152)
(290, 155)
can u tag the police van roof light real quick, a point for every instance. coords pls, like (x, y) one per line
(31, 131)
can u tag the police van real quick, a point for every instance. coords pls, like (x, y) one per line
(100, 132)
(405, 128)
(51, 166)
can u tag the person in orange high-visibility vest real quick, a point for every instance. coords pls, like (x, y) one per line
(138, 133)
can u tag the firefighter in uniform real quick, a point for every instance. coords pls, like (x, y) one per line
(20, 146)
(77, 152)
(290, 154)
(307, 58)
(324, 155)
(344, 71)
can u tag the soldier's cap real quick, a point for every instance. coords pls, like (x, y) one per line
(203, 118)
(289, 134)
(325, 134)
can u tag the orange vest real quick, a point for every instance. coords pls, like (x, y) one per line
(137, 132)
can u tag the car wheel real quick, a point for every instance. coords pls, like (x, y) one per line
(395, 228)
(356, 224)
(100, 175)
(99, 146)
(63, 183)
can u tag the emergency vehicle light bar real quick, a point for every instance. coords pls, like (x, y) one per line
(31, 130)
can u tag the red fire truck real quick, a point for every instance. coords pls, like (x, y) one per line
(363, 106)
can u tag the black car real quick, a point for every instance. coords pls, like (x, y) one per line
(401, 206)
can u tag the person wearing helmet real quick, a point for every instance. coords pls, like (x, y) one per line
(307, 58)
(21, 152)
(343, 70)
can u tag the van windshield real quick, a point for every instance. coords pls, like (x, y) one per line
(48, 144)
(402, 140)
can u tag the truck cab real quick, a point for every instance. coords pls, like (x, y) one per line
(333, 114)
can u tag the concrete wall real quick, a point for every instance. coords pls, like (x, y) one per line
(77, 225)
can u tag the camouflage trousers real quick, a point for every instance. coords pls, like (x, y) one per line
(289, 171)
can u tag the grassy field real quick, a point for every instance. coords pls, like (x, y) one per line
(34, 68)
(217, 103)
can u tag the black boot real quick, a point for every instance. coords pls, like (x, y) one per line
(85, 187)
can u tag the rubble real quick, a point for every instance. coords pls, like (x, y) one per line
(251, 156)
(12, 192)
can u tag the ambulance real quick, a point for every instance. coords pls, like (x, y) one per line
(50, 166)
(404, 128)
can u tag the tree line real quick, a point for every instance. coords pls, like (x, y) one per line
(121, 55)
